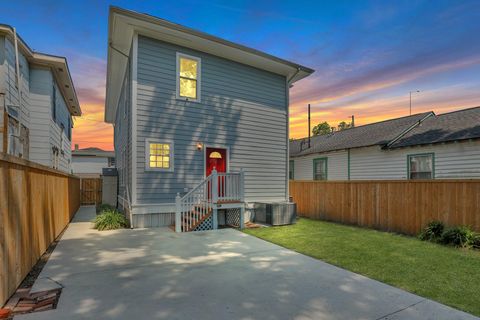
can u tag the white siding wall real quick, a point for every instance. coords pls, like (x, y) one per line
(44, 131)
(40, 116)
(452, 161)
(85, 164)
(337, 165)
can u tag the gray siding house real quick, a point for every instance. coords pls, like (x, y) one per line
(421, 146)
(186, 107)
(37, 102)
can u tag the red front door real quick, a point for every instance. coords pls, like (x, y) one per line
(215, 158)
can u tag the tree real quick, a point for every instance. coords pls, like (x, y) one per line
(321, 129)
(344, 125)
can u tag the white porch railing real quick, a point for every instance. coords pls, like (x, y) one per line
(214, 191)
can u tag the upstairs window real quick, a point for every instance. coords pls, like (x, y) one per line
(421, 166)
(188, 77)
(320, 169)
(159, 155)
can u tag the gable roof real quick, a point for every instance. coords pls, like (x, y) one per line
(93, 152)
(123, 24)
(378, 133)
(58, 66)
(452, 126)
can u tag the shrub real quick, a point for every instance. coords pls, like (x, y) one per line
(432, 232)
(457, 236)
(475, 242)
(110, 220)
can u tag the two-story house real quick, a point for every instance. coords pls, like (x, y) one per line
(200, 123)
(37, 102)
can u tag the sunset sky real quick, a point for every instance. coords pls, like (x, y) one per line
(367, 55)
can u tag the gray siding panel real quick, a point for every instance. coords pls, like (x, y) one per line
(242, 108)
(12, 92)
(122, 138)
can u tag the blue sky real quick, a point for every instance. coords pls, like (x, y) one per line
(367, 55)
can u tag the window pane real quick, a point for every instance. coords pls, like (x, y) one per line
(420, 175)
(188, 88)
(320, 170)
(159, 155)
(188, 68)
(421, 167)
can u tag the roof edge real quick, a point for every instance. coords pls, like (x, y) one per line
(204, 35)
(56, 63)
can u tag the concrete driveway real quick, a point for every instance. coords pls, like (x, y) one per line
(225, 274)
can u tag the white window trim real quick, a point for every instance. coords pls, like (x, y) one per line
(147, 155)
(199, 77)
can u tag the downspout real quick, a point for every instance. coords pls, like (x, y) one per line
(287, 100)
(17, 67)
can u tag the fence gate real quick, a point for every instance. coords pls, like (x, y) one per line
(91, 190)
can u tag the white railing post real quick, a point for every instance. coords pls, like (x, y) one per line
(178, 213)
(242, 185)
(214, 186)
(214, 195)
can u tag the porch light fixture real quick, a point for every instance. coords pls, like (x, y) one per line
(199, 146)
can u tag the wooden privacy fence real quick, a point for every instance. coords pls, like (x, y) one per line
(91, 190)
(398, 206)
(36, 203)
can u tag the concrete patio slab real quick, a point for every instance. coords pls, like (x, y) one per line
(224, 274)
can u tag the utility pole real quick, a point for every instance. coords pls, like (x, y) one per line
(411, 99)
(309, 130)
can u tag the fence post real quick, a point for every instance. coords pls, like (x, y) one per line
(178, 213)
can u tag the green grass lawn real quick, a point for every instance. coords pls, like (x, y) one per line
(447, 275)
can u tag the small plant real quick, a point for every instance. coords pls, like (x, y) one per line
(110, 220)
(457, 236)
(103, 207)
(432, 232)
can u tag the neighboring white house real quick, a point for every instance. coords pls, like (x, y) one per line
(89, 162)
(188, 107)
(37, 102)
(422, 146)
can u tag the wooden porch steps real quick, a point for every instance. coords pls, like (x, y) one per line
(186, 220)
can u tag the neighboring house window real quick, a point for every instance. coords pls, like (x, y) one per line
(188, 77)
(159, 155)
(291, 170)
(320, 168)
(54, 104)
(421, 166)
(111, 162)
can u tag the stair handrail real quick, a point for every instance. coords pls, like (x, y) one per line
(216, 187)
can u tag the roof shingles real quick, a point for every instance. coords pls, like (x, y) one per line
(378, 133)
(452, 126)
